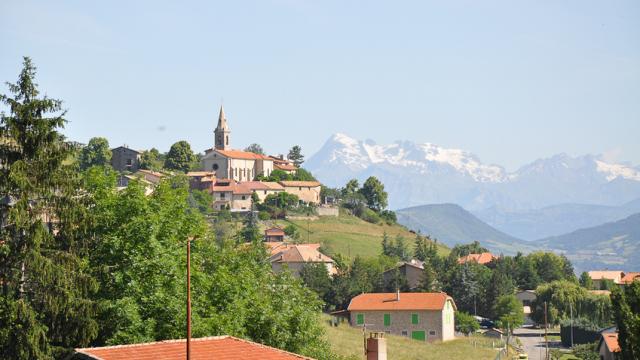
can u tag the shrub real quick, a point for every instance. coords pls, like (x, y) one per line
(264, 215)
(371, 216)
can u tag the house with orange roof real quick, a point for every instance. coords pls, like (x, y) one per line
(214, 347)
(419, 315)
(274, 234)
(630, 277)
(608, 347)
(233, 164)
(201, 180)
(600, 276)
(295, 256)
(482, 258)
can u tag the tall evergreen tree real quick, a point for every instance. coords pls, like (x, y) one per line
(295, 155)
(44, 299)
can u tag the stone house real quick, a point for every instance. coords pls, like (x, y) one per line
(294, 257)
(307, 191)
(411, 272)
(201, 180)
(608, 347)
(230, 194)
(274, 234)
(421, 316)
(125, 159)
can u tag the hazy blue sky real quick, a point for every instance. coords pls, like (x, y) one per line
(511, 81)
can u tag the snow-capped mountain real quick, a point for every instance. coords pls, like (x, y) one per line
(417, 174)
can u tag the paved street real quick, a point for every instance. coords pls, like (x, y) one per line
(533, 342)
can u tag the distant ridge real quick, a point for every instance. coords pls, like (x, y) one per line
(614, 245)
(452, 225)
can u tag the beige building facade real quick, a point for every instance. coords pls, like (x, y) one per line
(306, 191)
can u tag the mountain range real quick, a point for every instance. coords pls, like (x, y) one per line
(585, 207)
(417, 174)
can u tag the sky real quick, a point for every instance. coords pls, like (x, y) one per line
(510, 81)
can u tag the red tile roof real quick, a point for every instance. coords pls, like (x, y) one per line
(300, 253)
(629, 277)
(275, 247)
(408, 301)
(300, 183)
(274, 232)
(484, 258)
(613, 275)
(611, 339)
(215, 347)
(237, 154)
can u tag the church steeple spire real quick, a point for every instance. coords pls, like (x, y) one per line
(222, 132)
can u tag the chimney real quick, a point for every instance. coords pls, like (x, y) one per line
(376, 346)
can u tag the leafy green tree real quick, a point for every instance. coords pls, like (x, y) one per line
(563, 297)
(585, 281)
(465, 283)
(509, 312)
(295, 155)
(466, 323)
(96, 153)
(292, 232)
(549, 266)
(389, 217)
(201, 200)
(151, 160)
(45, 306)
(278, 175)
(350, 188)
(626, 311)
(303, 175)
(527, 277)
(429, 280)
(180, 157)
(316, 278)
(373, 192)
(586, 351)
(461, 250)
(500, 285)
(255, 148)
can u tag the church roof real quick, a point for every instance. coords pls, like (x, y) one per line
(245, 155)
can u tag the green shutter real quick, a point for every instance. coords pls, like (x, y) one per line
(387, 319)
(418, 335)
(414, 319)
(359, 319)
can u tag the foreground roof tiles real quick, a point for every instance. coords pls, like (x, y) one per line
(611, 339)
(407, 301)
(215, 347)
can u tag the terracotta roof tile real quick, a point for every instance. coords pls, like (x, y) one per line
(408, 301)
(483, 258)
(611, 339)
(300, 183)
(629, 277)
(285, 167)
(606, 274)
(274, 231)
(237, 154)
(216, 347)
(300, 253)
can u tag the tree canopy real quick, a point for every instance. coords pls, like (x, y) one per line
(255, 148)
(295, 155)
(180, 157)
(96, 153)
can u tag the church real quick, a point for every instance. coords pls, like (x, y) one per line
(238, 165)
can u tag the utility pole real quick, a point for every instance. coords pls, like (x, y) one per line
(546, 340)
(189, 298)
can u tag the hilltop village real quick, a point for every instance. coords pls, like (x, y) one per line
(112, 253)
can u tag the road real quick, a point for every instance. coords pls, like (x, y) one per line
(533, 342)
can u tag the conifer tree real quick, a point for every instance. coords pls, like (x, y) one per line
(44, 298)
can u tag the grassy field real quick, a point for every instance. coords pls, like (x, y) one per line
(348, 341)
(350, 236)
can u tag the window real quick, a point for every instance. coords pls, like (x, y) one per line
(244, 197)
(300, 188)
(359, 319)
(432, 333)
(265, 192)
(405, 333)
(414, 319)
(215, 166)
(129, 162)
(387, 319)
(221, 195)
(227, 139)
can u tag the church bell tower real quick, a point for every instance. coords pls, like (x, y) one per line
(222, 132)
